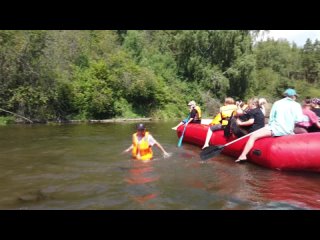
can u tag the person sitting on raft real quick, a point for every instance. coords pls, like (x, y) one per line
(283, 116)
(142, 142)
(262, 103)
(250, 121)
(220, 121)
(310, 122)
(195, 115)
(315, 103)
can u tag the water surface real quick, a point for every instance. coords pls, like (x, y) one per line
(80, 166)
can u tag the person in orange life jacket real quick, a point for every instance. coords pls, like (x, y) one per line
(195, 115)
(310, 122)
(142, 142)
(221, 119)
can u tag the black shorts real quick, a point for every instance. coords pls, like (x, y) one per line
(216, 127)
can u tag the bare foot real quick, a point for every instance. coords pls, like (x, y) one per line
(239, 160)
(166, 155)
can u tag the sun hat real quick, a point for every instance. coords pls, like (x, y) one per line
(192, 103)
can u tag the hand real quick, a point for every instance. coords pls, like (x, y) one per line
(166, 155)
(124, 151)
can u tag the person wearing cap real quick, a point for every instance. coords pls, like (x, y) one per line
(310, 123)
(195, 115)
(221, 120)
(284, 114)
(142, 141)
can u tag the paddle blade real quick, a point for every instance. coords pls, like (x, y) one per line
(210, 152)
(180, 141)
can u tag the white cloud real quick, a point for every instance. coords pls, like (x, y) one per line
(297, 36)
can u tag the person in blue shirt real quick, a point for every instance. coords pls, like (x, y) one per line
(283, 116)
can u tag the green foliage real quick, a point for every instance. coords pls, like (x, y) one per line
(57, 75)
(31, 102)
(6, 120)
(92, 96)
(311, 61)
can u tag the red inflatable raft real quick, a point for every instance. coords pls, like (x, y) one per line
(291, 152)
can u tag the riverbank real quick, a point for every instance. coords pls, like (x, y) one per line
(7, 120)
(119, 120)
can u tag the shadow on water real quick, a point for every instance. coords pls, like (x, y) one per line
(81, 167)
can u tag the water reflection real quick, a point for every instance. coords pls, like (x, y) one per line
(79, 167)
(297, 189)
(248, 186)
(141, 179)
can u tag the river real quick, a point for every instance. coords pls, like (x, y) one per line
(80, 166)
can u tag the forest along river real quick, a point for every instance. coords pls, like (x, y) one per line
(80, 166)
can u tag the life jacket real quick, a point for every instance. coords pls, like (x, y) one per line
(199, 112)
(145, 148)
(224, 115)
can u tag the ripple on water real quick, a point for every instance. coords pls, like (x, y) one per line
(81, 167)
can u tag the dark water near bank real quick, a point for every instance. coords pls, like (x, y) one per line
(80, 167)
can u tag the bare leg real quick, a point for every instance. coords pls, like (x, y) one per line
(209, 134)
(176, 127)
(265, 132)
(299, 130)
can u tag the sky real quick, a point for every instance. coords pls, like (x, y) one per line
(297, 36)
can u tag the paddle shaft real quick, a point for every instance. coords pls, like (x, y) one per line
(212, 151)
(184, 129)
(238, 139)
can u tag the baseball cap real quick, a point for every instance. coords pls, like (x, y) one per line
(141, 126)
(290, 92)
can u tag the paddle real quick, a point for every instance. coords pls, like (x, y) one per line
(184, 129)
(212, 151)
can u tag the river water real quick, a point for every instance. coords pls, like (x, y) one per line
(80, 166)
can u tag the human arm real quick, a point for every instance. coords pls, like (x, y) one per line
(317, 124)
(313, 118)
(165, 154)
(128, 149)
(273, 114)
(251, 117)
(245, 123)
(193, 114)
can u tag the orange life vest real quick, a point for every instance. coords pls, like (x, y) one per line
(145, 148)
(199, 113)
(223, 116)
